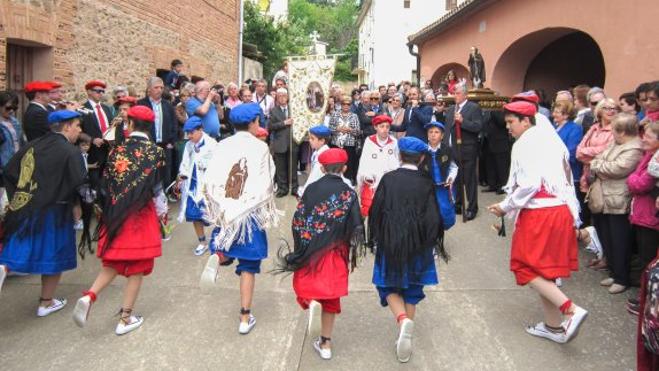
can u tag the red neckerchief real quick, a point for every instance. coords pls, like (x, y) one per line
(374, 139)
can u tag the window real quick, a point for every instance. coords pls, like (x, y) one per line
(406, 4)
(451, 4)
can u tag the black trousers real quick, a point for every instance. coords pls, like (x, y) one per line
(584, 214)
(498, 166)
(468, 174)
(282, 166)
(647, 240)
(169, 164)
(615, 234)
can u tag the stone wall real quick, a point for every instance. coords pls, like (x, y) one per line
(122, 41)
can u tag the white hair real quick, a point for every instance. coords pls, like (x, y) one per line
(151, 81)
(365, 94)
(461, 86)
(595, 90)
(282, 91)
(429, 95)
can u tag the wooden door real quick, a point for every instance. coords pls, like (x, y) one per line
(19, 72)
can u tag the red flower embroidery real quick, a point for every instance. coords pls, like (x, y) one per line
(147, 171)
(121, 165)
(137, 153)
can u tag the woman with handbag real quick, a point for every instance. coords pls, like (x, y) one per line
(596, 140)
(611, 207)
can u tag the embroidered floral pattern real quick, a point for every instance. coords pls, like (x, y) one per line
(131, 163)
(336, 208)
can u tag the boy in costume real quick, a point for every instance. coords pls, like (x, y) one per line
(129, 230)
(41, 181)
(238, 194)
(327, 233)
(318, 138)
(197, 153)
(542, 200)
(439, 166)
(407, 232)
(379, 156)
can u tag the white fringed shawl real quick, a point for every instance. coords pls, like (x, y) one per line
(254, 207)
(540, 159)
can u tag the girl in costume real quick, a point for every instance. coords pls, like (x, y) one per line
(542, 199)
(41, 180)
(327, 231)
(129, 230)
(407, 232)
(440, 167)
(240, 203)
(197, 153)
(379, 156)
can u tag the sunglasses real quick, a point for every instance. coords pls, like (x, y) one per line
(345, 104)
(100, 91)
(11, 108)
(593, 103)
(375, 98)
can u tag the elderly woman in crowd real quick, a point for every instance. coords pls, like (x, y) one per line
(595, 142)
(11, 135)
(346, 131)
(233, 98)
(396, 111)
(611, 168)
(571, 134)
(119, 130)
(185, 93)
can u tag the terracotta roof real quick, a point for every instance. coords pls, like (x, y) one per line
(465, 9)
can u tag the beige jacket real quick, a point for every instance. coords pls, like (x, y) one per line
(612, 167)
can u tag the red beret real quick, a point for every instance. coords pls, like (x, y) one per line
(528, 96)
(521, 107)
(377, 120)
(333, 156)
(35, 86)
(55, 84)
(141, 113)
(94, 83)
(126, 100)
(261, 133)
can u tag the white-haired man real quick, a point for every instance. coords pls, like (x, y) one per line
(283, 147)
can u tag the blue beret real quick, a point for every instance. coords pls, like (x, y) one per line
(412, 145)
(192, 123)
(244, 114)
(62, 115)
(434, 124)
(320, 131)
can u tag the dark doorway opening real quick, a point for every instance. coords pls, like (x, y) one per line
(568, 61)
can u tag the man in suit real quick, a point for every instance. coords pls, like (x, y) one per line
(35, 118)
(55, 95)
(470, 118)
(367, 109)
(164, 128)
(95, 124)
(282, 146)
(417, 114)
(497, 155)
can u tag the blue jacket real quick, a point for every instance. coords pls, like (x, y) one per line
(7, 141)
(571, 135)
(414, 121)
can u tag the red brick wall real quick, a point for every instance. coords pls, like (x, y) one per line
(123, 41)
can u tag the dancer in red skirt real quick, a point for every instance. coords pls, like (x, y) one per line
(129, 229)
(542, 198)
(327, 231)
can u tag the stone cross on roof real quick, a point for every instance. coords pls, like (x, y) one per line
(315, 37)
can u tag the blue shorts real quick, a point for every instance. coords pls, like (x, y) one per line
(413, 294)
(249, 266)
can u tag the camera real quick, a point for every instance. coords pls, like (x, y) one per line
(218, 89)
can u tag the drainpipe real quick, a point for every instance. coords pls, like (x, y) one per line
(240, 42)
(410, 47)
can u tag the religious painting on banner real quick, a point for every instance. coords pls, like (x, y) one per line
(309, 81)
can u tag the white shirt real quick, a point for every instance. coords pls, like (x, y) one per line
(157, 110)
(266, 103)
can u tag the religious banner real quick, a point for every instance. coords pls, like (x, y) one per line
(309, 81)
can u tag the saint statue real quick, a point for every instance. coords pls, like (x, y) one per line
(476, 68)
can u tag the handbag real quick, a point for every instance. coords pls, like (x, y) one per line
(595, 197)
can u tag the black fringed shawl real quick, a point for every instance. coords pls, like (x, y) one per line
(404, 223)
(44, 172)
(326, 216)
(132, 172)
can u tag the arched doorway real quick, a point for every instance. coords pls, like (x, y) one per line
(550, 59)
(461, 72)
(569, 61)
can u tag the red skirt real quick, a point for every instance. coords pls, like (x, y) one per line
(544, 244)
(136, 245)
(325, 279)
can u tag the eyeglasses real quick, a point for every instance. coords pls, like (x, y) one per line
(610, 109)
(11, 108)
(345, 104)
(100, 91)
(375, 98)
